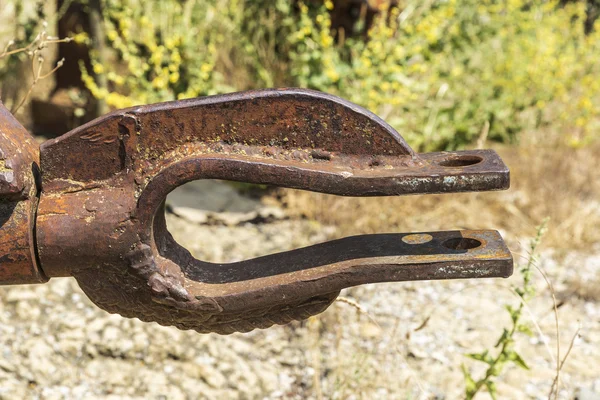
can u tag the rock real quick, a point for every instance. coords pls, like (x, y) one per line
(27, 311)
(40, 361)
(20, 294)
(11, 389)
(212, 376)
(586, 394)
(111, 334)
(213, 196)
(369, 330)
(6, 366)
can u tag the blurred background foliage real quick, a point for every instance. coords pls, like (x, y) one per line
(444, 73)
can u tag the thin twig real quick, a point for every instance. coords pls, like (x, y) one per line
(483, 135)
(56, 40)
(562, 363)
(551, 287)
(33, 50)
(7, 53)
(53, 70)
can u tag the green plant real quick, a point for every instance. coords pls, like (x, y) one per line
(506, 353)
(441, 72)
(162, 51)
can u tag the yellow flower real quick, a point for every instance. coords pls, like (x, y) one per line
(586, 104)
(456, 71)
(326, 39)
(431, 36)
(170, 43)
(98, 68)
(157, 55)
(112, 35)
(332, 75)
(118, 101)
(206, 67)
(124, 23)
(176, 57)
(81, 38)
(159, 82)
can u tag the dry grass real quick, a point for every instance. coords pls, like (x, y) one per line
(584, 288)
(548, 179)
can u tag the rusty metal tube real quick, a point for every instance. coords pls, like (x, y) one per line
(19, 175)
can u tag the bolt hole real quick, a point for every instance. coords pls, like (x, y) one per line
(417, 238)
(462, 243)
(462, 161)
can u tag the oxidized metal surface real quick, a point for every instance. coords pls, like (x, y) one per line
(101, 211)
(19, 169)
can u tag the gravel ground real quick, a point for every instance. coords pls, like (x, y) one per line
(386, 341)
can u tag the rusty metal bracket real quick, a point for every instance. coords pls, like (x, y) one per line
(102, 189)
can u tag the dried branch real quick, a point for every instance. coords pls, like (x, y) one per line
(555, 383)
(34, 51)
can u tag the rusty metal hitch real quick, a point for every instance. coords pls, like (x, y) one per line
(90, 204)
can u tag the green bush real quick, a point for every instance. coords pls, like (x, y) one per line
(442, 73)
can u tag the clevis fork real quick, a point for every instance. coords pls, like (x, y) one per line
(90, 204)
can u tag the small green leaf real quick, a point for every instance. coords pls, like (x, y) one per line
(515, 313)
(478, 356)
(523, 328)
(503, 338)
(496, 369)
(469, 382)
(516, 358)
(491, 388)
